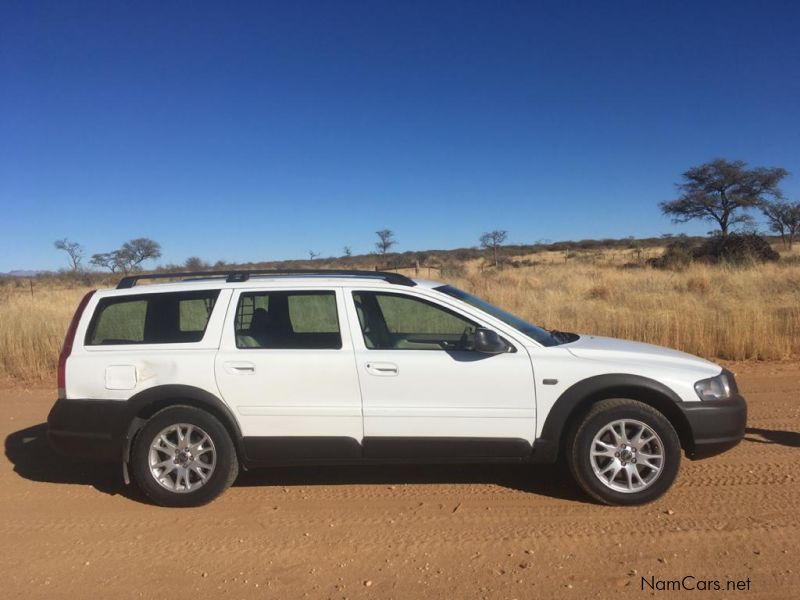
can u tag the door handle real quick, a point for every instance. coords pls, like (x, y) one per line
(240, 368)
(382, 369)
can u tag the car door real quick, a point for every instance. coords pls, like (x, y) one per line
(425, 393)
(285, 366)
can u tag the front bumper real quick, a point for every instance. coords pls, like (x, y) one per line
(715, 426)
(92, 429)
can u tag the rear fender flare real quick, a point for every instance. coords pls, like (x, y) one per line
(148, 402)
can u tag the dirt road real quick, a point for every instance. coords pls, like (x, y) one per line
(73, 530)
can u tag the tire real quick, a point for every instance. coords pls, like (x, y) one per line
(183, 456)
(606, 438)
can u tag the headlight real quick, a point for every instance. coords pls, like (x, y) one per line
(715, 388)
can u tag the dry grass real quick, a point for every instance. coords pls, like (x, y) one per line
(32, 329)
(716, 312)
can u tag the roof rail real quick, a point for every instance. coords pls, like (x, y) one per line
(236, 276)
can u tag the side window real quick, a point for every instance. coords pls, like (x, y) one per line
(118, 323)
(399, 322)
(176, 317)
(288, 320)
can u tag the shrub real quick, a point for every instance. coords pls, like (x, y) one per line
(677, 256)
(523, 262)
(451, 268)
(737, 248)
(598, 292)
(698, 285)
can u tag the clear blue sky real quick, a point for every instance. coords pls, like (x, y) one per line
(255, 131)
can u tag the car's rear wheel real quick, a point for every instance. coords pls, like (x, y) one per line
(624, 452)
(183, 456)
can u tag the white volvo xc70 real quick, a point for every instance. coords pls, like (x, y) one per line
(184, 382)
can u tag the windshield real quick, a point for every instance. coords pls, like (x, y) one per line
(544, 337)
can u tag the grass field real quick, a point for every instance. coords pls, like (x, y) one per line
(715, 312)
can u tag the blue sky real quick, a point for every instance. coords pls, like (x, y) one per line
(256, 131)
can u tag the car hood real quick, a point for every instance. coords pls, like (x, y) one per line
(624, 351)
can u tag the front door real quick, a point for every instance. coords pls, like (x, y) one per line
(285, 366)
(426, 393)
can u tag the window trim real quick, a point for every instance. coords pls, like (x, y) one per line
(428, 301)
(104, 302)
(292, 292)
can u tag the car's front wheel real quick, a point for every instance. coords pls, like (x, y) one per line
(624, 452)
(183, 456)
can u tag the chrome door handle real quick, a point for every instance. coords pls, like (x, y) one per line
(382, 369)
(240, 368)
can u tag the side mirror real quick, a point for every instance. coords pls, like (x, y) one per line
(489, 342)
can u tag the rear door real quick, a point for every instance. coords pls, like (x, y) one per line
(285, 366)
(425, 393)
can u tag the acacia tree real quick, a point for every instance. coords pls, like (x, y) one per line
(347, 251)
(492, 240)
(107, 260)
(385, 241)
(194, 263)
(721, 190)
(129, 257)
(312, 255)
(135, 252)
(784, 219)
(74, 251)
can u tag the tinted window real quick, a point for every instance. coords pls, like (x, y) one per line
(398, 322)
(288, 320)
(171, 318)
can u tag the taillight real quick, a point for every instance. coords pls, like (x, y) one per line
(69, 340)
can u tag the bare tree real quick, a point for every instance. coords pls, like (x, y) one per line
(784, 219)
(312, 255)
(347, 251)
(74, 251)
(492, 240)
(719, 191)
(385, 241)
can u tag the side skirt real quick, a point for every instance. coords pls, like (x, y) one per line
(300, 450)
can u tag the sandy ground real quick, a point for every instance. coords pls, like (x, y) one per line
(73, 530)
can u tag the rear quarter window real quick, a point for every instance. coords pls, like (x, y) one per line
(171, 318)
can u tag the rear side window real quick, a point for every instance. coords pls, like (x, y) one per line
(288, 320)
(173, 318)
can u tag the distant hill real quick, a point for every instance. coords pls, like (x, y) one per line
(22, 273)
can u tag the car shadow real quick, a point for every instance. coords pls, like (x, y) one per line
(33, 458)
(773, 436)
(544, 480)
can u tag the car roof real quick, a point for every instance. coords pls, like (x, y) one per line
(266, 280)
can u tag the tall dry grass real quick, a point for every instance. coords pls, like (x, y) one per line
(715, 312)
(32, 328)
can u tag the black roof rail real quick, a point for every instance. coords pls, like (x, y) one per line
(235, 276)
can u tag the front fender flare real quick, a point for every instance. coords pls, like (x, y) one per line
(577, 399)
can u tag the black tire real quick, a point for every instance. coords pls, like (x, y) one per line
(224, 473)
(601, 415)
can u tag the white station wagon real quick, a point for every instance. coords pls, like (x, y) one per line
(185, 382)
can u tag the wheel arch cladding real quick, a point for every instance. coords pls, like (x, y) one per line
(578, 399)
(150, 401)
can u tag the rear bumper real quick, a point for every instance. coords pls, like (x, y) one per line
(88, 429)
(715, 426)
